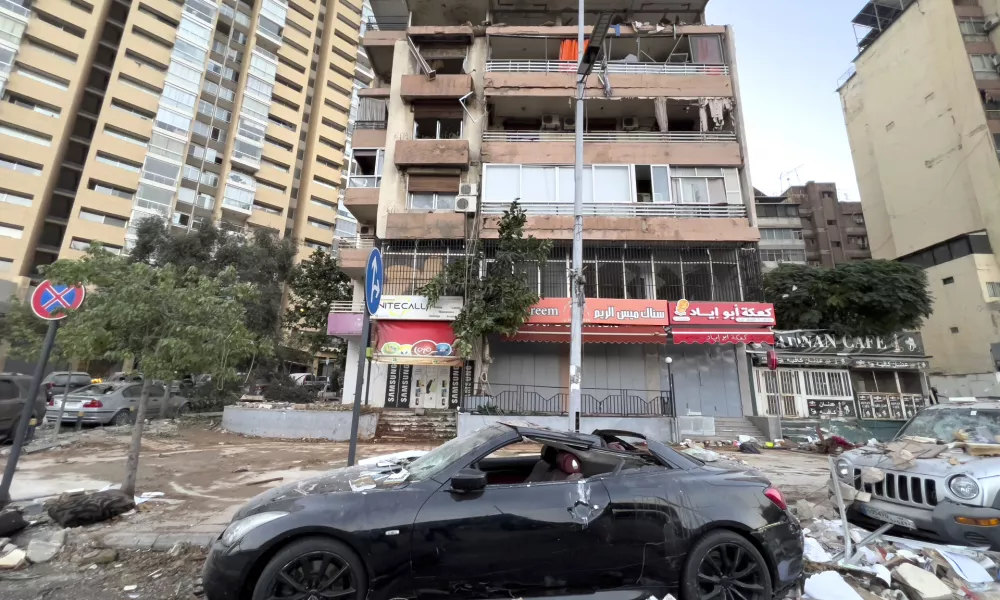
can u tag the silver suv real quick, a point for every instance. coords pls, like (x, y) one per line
(951, 498)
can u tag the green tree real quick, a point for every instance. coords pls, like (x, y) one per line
(499, 301)
(259, 258)
(170, 321)
(315, 285)
(871, 297)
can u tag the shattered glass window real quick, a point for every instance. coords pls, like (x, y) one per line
(980, 425)
(442, 457)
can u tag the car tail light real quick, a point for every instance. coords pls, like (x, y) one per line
(50, 401)
(775, 496)
(93, 404)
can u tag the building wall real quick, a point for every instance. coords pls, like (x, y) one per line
(830, 230)
(927, 169)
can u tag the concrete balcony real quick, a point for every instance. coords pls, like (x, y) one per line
(354, 254)
(678, 148)
(442, 87)
(558, 78)
(764, 222)
(362, 202)
(432, 153)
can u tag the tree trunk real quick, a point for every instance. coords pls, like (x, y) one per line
(132, 466)
(484, 364)
(62, 409)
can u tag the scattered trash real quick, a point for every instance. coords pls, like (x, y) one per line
(925, 585)
(365, 482)
(148, 495)
(703, 454)
(130, 588)
(14, 559)
(78, 509)
(263, 481)
(829, 585)
(750, 447)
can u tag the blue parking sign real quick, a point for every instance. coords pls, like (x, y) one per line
(374, 277)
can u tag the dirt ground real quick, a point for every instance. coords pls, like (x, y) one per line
(205, 474)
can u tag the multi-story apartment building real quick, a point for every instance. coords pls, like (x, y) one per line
(114, 111)
(921, 106)
(809, 224)
(472, 109)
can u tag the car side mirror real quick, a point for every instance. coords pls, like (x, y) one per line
(468, 480)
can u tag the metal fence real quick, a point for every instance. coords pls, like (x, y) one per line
(620, 68)
(513, 399)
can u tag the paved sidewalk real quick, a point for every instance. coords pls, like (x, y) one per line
(156, 541)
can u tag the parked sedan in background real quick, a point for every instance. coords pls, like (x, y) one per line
(13, 396)
(586, 514)
(115, 403)
(56, 382)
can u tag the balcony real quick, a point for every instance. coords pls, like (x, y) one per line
(432, 153)
(627, 209)
(442, 87)
(411, 225)
(542, 131)
(342, 307)
(614, 68)
(354, 254)
(362, 201)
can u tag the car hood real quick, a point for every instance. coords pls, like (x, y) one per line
(347, 480)
(939, 466)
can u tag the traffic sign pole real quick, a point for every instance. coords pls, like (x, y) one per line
(374, 278)
(29, 407)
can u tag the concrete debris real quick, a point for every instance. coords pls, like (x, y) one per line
(926, 586)
(14, 559)
(44, 549)
(129, 588)
(902, 459)
(872, 475)
(703, 454)
(104, 556)
(829, 585)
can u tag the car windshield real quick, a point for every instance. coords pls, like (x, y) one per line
(99, 389)
(437, 460)
(942, 424)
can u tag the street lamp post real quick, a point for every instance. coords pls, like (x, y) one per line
(588, 56)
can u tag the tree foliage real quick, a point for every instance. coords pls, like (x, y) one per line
(315, 285)
(171, 321)
(872, 297)
(499, 301)
(261, 259)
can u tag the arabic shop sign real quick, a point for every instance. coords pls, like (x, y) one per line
(600, 311)
(822, 342)
(684, 312)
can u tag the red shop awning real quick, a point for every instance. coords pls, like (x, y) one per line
(729, 335)
(593, 334)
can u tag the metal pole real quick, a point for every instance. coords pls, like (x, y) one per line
(366, 325)
(368, 374)
(576, 324)
(29, 407)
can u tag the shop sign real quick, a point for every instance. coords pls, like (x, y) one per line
(822, 342)
(430, 342)
(684, 312)
(602, 311)
(344, 324)
(550, 311)
(418, 308)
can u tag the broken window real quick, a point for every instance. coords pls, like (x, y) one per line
(366, 168)
(437, 129)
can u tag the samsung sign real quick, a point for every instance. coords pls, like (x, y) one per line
(418, 308)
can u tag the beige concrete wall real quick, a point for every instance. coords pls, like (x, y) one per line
(922, 149)
(721, 154)
(625, 86)
(649, 229)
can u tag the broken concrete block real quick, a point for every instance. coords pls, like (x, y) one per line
(872, 475)
(923, 584)
(13, 559)
(902, 459)
(804, 510)
(40, 551)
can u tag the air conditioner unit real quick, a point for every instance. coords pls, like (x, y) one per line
(630, 123)
(645, 197)
(991, 23)
(569, 123)
(551, 122)
(366, 230)
(465, 204)
(468, 189)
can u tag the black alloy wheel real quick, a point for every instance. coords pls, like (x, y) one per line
(725, 566)
(312, 569)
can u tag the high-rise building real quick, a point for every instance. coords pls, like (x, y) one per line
(809, 224)
(922, 106)
(472, 108)
(234, 112)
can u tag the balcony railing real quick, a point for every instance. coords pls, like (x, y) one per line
(16, 8)
(359, 242)
(620, 68)
(364, 181)
(626, 209)
(512, 399)
(370, 124)
(347, 306)
(387, 23)
(625, 137)
(992, 114)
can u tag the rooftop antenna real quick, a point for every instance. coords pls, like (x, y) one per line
(782, 177)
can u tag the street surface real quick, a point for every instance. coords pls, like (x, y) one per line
(205, 474)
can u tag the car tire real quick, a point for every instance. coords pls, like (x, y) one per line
(310, 551)
(182, 410)
(725, 559)
(121, 418)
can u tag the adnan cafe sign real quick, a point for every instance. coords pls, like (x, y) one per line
(646, 321)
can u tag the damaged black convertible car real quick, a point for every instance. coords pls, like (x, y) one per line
(607, 514)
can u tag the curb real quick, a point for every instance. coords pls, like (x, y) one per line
(157, 541)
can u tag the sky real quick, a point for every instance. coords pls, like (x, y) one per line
(790, 55)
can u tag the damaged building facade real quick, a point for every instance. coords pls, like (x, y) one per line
(472, 108)
(922, 107)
